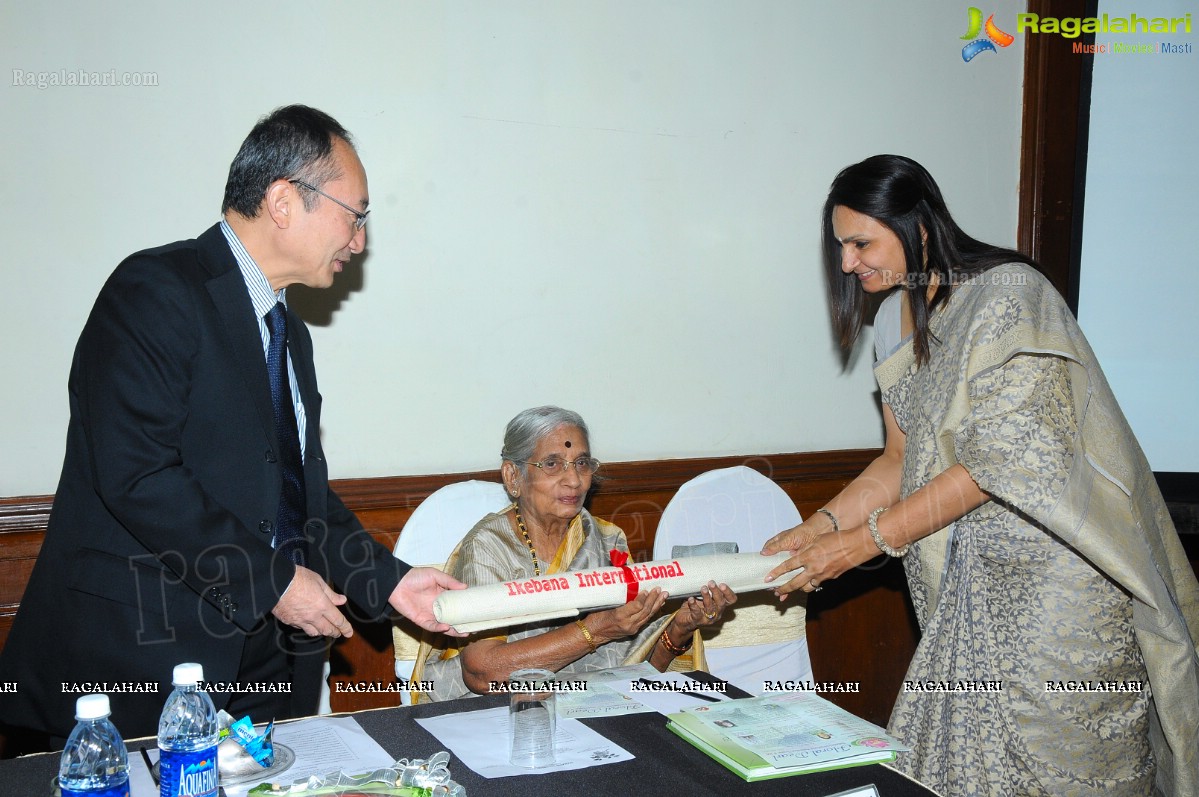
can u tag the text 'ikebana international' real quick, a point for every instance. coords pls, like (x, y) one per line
(565, 594)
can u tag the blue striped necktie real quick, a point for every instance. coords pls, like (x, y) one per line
(289, 523)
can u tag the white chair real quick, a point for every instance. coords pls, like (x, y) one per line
(429, 537)
(741, 505)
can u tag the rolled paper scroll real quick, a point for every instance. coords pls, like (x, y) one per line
(566, 594)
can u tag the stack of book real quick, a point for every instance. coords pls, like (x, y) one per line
(784, 734)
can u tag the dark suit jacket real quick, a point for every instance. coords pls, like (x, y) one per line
(159, 544)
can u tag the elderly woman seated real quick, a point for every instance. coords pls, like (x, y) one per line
(547, 469)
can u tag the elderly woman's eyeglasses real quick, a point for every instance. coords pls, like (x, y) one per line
(552, 466)
(359, 216)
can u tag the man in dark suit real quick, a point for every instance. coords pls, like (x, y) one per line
(193, 520)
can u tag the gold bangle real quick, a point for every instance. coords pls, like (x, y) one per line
(587, 635)
(670, 646)
(872, 524)
(832, 517)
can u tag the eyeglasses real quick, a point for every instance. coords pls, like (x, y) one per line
(552, 466)
(359, 216)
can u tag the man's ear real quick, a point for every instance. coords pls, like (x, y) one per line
(281, 203)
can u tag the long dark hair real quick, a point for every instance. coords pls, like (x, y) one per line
(900, 194)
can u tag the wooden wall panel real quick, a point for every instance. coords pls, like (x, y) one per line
(1053, 147)
(859, 628)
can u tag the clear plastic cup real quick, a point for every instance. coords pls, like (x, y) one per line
(532, 718)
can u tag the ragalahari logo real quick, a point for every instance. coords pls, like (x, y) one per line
(994, 35)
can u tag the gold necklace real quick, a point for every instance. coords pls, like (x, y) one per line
(524, 532)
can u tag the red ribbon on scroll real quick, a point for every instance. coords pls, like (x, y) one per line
(620, 559)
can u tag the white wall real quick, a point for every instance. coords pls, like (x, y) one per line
(612, 206)
(1138, 292)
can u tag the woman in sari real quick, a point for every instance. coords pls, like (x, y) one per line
(1058, 611)
(547, 469)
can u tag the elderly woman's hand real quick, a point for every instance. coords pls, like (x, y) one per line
(627, 620)
(702, 610)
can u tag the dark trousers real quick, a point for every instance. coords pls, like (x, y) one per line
(277, 658)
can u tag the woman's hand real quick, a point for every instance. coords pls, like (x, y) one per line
(794, 539)
(627, 620)
(947, 497)
(817, 557)
(702, 610)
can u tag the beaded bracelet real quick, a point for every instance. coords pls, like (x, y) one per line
(587, 635)
(670, 646)
(872, 524)
(832, 517)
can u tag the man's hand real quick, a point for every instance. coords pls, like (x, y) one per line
(414, 595)
(311, 606)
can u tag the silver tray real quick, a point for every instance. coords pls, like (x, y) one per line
(284, 758)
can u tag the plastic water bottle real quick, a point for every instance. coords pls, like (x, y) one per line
(187, 738)
(94, 762)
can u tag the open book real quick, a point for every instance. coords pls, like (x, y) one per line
(774, 736)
